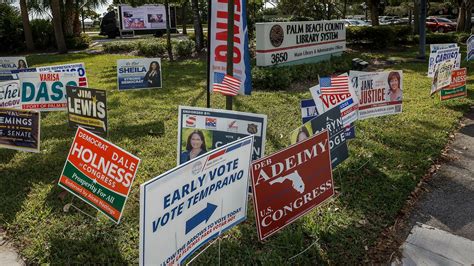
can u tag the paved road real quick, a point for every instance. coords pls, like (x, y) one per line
(8, 255)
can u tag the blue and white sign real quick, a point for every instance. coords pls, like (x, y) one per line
(186, 207)
(139, 73)
(470, 48)
(443, 54)
(309, 111)
(78, 68)
(8, 64)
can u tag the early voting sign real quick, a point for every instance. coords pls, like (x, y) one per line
(201, 130)
(457, 87)
(470, 48)
(283, 42)
(379, 93)
(332, 121)
(184, 208)
(139, 73)
(87, 108)
(218, 45)
(99, 173)
(20, 130)
(46, 91)
(451, 53)
(335, 91)
(10, 94)
(8, 64)
(290, 183)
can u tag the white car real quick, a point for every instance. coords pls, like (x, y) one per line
(355, 22)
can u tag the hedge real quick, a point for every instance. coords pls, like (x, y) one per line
(151, 47)
(379, 36)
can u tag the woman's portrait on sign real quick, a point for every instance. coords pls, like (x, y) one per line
(153, 76)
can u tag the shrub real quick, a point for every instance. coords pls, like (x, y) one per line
(43, 34)
(183, 48)
(78, 43)
(152, 48)
(11, 29)
(192, 37)
(120, 47)
(379, 36)
(441, 38)
(270, 78)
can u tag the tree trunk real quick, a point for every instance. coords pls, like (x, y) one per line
(69, 18)
(168, 31)
(184, 6)
(374, 11)
(198, 32)
(416, 17)
(468, 22)
(58, 27)
(344, 10)
(30, 45)
(461, 16)
(77, 22)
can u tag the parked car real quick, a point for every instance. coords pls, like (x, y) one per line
(440, 24)
(355, 22)
(384, 20)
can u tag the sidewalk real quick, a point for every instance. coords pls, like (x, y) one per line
(8, 255)
(442, 221)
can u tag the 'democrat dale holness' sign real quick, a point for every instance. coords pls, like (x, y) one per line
(290, 183)
(457, 88)
(184, 208)
(99, 173)
(45, 91)
(87, 108)
(20, 130)
(282, 42)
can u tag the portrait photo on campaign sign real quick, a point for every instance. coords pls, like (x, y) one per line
(186, 207)
(20, 129)
(379, 93)
(87, 108)
(99, 173)
(289, 183)
(201, 130)
(46, 91)
(330, 120)
(139, 73)
(10, 94)
(8, 64)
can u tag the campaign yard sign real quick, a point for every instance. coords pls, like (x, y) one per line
(87, 108)
(332, 121)
(7, 64)
(201, 130)
(309, 111)
(443, 55)
(78, 68)
(99, 173)
(290, 183)
(379, 93)
(46, 91)
(284, 42)
(457, 88)
(20, 129)
(335, 91)
(218, 45)
(442, 76)
(10, 94)
(139, 73)
(186, 207)
(470, 48)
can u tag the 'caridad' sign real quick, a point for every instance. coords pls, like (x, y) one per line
(218, 43)
(282, 42)
(46, 91)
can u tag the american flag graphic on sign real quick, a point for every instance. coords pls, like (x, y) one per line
(334, 85)
(82, 82)
(226, 84)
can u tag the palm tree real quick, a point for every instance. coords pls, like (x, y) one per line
(58, 27)
(197, 26)
(30, 45)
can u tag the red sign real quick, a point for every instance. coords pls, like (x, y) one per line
(290, 183)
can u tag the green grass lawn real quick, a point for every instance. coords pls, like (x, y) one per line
(386, 161)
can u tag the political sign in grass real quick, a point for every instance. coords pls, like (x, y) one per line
(87, 108)
(457, 87)
(218, 45)
(20, 129)
(470, 48)
(7, 64)
(201, 130)
(46, 91)
(99, 173)
(379, 93)
(10, 94)
(79, 68)
(335, 91)
(288, 184)
(139, 73)
(284, 42)
(333, 122)
(186, 207)
(309, 111)
(442, 76)
(442, 55)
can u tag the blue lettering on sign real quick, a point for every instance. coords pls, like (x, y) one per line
(125, 70)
